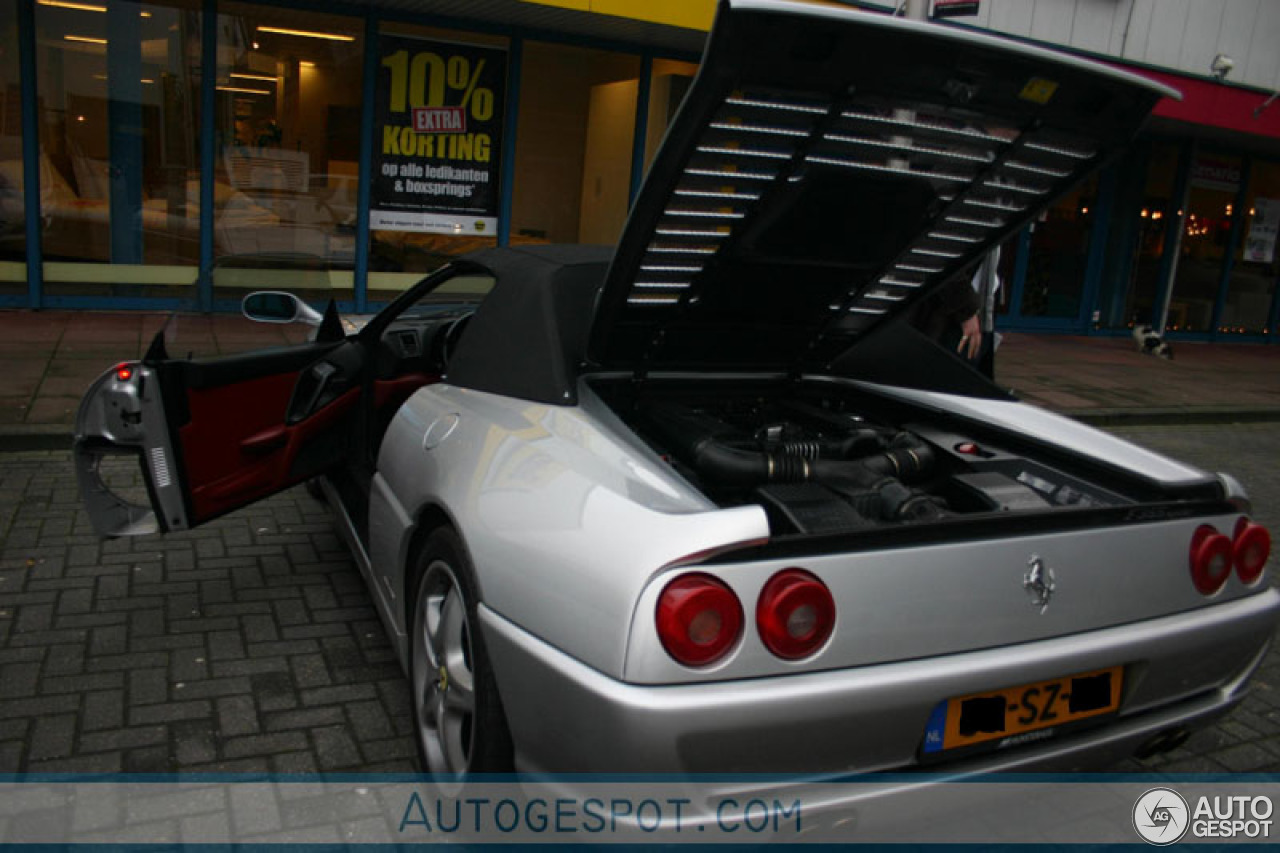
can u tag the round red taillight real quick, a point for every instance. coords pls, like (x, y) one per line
(699, 619)
(1251, 550)
(1210, 559)
(795, 614)
(124, 373)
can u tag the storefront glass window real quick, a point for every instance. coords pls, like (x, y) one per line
(1059, 252)
(1256, 265)
(1215, 182)
(118, 85)
(573, 151)
(1151, 213)
(453, 204)
(13, 242)
(287, 127)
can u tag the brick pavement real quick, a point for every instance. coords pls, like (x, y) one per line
(249, 644)
(1105, 380)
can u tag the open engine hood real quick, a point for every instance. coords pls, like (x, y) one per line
(828, 168)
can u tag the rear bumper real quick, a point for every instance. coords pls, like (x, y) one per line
(1180, 670)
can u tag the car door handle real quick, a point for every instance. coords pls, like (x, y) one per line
(308, 394)
(266, 441)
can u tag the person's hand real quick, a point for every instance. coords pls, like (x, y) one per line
(970, 338)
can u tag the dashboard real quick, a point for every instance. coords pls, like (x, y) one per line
(420, 343)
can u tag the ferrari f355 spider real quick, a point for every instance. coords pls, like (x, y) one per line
(703, 501)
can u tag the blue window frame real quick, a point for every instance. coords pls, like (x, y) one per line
(203, 295)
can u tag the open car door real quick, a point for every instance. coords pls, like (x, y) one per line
(214, 435)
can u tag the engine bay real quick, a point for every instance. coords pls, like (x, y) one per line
(820, 464)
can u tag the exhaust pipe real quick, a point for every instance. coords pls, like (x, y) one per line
(1165, 741)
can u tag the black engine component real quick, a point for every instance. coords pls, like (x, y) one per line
(872, 485)
(812, 508)
(1000, 492)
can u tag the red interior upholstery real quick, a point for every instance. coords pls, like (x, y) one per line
(236, 447)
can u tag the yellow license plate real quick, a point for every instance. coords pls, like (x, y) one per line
(998, 714)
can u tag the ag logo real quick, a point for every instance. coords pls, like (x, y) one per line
(1161, 816)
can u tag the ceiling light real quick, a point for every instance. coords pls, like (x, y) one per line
(311, 34)
(245, 91)
(67, 4)
(81, 7)
(263, 77)
(86, 39)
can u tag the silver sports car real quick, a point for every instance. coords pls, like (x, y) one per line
(705, 501)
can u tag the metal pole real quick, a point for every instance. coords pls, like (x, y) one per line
(511, 115)
(917, 10)
(124, 132)
(369, 83)
(30, 151)
(1174, 250)
(208, 153)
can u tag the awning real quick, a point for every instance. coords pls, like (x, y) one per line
(1214, 104)
(669, 26)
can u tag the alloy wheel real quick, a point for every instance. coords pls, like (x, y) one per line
(443, 678)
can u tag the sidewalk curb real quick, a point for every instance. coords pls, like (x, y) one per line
(16, 438)
(1175, 416)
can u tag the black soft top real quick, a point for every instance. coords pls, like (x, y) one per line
(529, 335)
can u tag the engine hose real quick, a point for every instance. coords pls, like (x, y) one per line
(886, 474)
(904, 463)
(901, 503)
(877, 495)
(909, 463)
(805, 449)
(741, 467)
(861, 442)
(734, 466)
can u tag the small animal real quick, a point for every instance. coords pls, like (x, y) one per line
(1152, 344)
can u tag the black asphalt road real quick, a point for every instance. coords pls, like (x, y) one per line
(252, 645)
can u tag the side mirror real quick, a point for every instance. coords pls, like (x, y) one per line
(276, 306)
